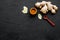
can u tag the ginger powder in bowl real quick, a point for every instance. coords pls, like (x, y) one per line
(33, 11)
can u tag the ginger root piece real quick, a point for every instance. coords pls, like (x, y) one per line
(37, 4)
(44, 10)
(43, 3)
(40, 4)
(52, 7)
(49, 5)
(53, 11)
(55, 7)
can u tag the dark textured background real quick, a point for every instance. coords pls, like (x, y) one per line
(17, 26)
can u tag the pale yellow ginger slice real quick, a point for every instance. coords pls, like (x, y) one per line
(25, 10)
(39, 16)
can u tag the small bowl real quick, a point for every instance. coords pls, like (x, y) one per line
(33, 11)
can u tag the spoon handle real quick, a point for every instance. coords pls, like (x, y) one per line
(51, 22)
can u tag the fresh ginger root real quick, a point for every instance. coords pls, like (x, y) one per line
(45, 6)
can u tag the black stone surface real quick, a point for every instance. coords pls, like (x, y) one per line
(17, 26)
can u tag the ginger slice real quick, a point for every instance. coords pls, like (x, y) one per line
(25, 10)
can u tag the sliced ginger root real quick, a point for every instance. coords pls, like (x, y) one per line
(25, 10)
